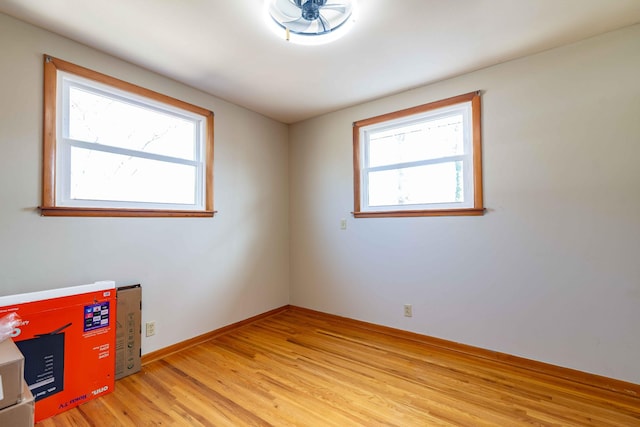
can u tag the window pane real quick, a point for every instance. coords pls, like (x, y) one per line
(100, 119)
(436, 183)
(97, 175)
(431, 139)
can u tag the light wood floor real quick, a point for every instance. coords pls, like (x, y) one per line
(300, 369)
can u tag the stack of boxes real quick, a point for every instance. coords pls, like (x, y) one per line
(67, 337)
(16, 401)
(64, 351)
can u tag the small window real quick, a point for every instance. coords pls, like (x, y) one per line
(115, 149)
(422, 161)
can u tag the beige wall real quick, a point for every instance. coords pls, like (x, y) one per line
(197, 274)
(551, 272)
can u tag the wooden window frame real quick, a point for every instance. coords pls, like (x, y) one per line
(49, 208)
(476, 135)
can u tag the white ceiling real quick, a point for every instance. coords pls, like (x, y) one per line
(224, 48)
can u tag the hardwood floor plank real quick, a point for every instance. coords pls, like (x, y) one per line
(297, 368)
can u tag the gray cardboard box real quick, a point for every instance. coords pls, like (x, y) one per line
(11, 374)
(22, 413)
(128, 330)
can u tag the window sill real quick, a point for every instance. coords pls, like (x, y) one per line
(104, 212)
(408, 213)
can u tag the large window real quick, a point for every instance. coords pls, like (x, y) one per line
(422, 161)
(115, 149)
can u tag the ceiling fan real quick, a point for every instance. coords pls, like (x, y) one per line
(310, 17)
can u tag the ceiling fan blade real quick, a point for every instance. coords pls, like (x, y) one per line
(292, 21)
(286, 8)
(326, 26)
(339, 7)
(300, 25)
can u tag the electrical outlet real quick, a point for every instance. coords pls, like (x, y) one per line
(408, 311)
(150, 328)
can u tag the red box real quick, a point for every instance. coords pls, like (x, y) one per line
(67, 337)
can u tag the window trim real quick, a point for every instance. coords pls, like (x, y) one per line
(49, 208)
(476, 135)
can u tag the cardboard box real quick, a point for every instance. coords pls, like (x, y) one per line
(20, 414)
(11, 374)
(128, 330)
(67, 338)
